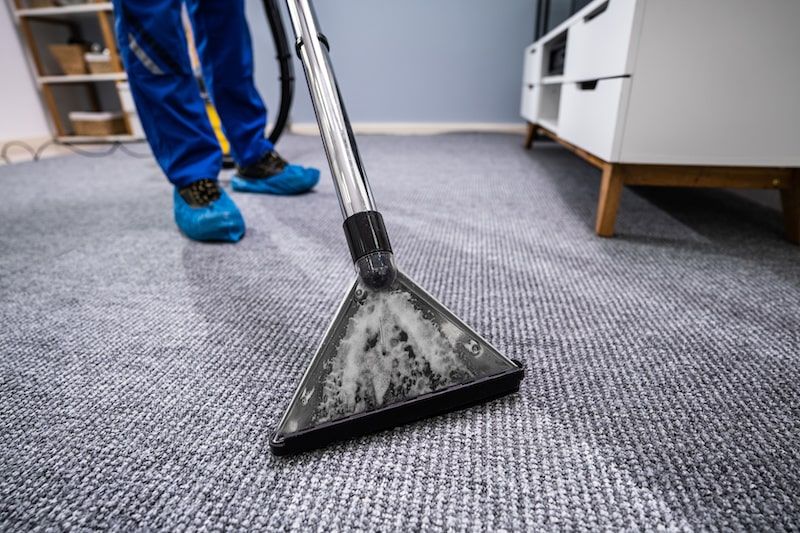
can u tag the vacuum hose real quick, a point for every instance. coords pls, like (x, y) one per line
(284, 57)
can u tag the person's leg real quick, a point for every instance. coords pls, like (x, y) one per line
(172, 112)
(225, 50)
(173, 115)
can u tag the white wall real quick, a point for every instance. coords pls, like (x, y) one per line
(21, 112)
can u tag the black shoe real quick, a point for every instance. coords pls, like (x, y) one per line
(269, 165)
(200, 193)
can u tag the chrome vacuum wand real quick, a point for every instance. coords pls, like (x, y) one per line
(363, 224)
(423, 360)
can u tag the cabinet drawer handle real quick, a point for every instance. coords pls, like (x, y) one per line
(533, 50)
(596, 12)
(590, 85)
(530, 86)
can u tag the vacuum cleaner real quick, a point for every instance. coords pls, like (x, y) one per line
(393, 354)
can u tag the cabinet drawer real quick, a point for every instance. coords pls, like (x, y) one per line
(600, 41)
(529, 108)
(532, 64)
(589, 115)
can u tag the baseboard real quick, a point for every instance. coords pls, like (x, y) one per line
(417, 128)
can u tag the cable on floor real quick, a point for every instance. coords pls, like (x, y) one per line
(36, 153)
(7, 146)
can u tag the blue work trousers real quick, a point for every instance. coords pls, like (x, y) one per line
(155, 52)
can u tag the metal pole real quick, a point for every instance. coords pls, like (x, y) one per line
(337, 137)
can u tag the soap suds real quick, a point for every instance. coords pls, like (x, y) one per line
(390, 351)
(306, 395)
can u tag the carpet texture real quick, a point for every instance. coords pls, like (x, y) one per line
(141, 373)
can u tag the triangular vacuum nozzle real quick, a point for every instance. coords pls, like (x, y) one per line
(390, 357)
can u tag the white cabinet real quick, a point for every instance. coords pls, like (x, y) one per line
(673, 93)
(715, 82)
(589, 114)
(599, 44)
(530, 102)
(531, 70)
(678, 82)
(532, 65)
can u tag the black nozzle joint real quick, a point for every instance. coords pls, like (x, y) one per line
(365, 234)
(370, 249)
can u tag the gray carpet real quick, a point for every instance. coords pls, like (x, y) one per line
(142, 373)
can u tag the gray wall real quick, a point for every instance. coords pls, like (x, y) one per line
(413, 60)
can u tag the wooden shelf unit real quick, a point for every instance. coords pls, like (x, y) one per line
(93, 139)
(89, 7)
(24, 16)
(82, 78)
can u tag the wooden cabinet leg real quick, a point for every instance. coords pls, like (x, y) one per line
(529, 136)
(790, 199)
(608, 204)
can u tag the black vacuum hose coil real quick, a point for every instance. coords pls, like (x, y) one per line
(284, 57)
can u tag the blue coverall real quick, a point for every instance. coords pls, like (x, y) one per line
(154, 49)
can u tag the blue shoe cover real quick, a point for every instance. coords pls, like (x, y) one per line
(219, 221)
(293, 180)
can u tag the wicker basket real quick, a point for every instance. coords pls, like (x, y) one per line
(69, 57)
(99, 63)
(97, 124)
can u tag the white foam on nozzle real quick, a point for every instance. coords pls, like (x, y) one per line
(390, 351)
